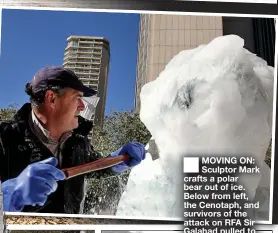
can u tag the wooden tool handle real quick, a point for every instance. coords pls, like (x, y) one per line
(94, 166)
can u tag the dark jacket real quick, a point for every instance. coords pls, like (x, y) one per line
(19, 147)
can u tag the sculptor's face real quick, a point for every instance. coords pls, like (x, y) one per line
(67, 109)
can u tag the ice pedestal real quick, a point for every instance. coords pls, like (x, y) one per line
(214, 99)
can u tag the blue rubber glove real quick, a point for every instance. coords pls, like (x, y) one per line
(32, 186)
(136, 152)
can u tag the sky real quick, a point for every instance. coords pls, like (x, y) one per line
(32, 39)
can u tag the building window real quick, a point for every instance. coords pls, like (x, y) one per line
(73, 43)
(85, 50)
(94, 82)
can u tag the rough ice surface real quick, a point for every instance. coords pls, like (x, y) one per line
(214, 99)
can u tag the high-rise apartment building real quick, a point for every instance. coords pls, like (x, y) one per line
(89, 58)
(163, 36)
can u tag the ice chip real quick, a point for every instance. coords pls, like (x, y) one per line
(90, 104)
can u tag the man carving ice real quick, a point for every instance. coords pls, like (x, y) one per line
(47, 135)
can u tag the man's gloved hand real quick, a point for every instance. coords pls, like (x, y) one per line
(136, 152)
(32, 186)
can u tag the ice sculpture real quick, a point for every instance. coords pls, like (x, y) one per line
(214, 99)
